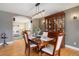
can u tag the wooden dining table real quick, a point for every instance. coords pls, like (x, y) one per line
(42, 41)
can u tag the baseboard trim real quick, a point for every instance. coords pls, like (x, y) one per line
(69, 46)
(8, 42)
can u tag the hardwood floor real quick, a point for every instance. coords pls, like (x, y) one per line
(17, 49)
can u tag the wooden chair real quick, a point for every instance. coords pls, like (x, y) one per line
(53, 49)
(28, 44)
(44, 35)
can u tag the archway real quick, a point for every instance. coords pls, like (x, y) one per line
(20, 24)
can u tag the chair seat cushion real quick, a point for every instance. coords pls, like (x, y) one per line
(48, 49)
(33, 45)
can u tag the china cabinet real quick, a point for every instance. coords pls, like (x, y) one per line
(55, 23)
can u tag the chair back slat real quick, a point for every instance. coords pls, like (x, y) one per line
(45, 34)
(25, 36)
(59, 41)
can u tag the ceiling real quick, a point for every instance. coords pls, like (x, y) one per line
(29, 9)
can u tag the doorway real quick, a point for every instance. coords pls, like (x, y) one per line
(20, 24)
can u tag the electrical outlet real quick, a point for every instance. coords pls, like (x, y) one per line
(75, 43)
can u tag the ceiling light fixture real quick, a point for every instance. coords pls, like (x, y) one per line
(37, 11)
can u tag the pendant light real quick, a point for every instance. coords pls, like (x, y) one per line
(38, 12)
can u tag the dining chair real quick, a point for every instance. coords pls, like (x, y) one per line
(44, 35)
(28, 44)
(51, 49)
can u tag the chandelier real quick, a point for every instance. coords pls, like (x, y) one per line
(39, 13)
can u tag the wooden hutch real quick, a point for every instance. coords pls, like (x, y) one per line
(55, 23)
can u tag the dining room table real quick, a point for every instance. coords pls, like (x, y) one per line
(41, 41)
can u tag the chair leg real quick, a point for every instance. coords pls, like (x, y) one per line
(38, 50)
(41, 53)
(25, 50)
(59, 52)
(28, 51)
(53, 53)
